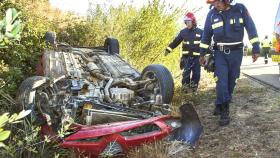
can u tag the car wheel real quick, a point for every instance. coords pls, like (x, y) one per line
(50, 37)
(162, 80)
(112, 46)
(35, 95)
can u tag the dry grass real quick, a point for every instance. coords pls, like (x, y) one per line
(254, 130)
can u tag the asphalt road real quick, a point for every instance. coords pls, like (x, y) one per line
(267, 73)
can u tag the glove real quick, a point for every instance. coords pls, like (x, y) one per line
(202, 60)
(166, 52)
(209, 64)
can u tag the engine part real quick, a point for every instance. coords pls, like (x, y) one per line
(121, 94)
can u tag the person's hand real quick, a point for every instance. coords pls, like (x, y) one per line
(255, 56)
(202, 60)
(166, 52)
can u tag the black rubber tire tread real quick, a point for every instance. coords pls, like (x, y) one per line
(23, 93)
(25, 88)
(165, 79)
(50, 37)
(112, 45)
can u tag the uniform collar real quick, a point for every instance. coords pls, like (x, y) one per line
(192, 29)
(221, 11)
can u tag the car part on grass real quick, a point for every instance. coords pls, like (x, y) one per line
(122, 136)
(94, 86)
(191, 128)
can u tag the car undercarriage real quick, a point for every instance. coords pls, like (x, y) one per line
(94, 86)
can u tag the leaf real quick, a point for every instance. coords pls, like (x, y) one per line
(15, 14)
(13, 117)
(4, 135)
(9, 16)
(9, 20)
(47, 139)
(22, 114)
(56, 155)
(3, 119)
(2, 145)
(16, 122)
(9, 35)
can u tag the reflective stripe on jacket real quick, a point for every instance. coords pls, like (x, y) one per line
(228, 27)
(266, 43)
(190, 39)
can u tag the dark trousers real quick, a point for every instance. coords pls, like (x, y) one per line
(266, 52)
(227, 70)
(190, 65)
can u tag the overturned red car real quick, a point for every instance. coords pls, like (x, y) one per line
(113, 107)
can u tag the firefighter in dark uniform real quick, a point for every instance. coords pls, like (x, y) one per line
(225, 24)
(190, 37)
(266, 48)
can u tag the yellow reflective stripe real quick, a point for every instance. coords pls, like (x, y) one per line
(218, 24)
(241, 21)
(196, 42)
(202, 45)
(168, 48)
(187, 52)
(254, 40)
(187, 42)
(266, 43)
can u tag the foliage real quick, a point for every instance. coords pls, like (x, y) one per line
(21, 59)
(149, 33)
(10, 27)
(6, 119)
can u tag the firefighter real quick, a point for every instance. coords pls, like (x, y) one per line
(190, 37)
(225, 23)
(266, 48)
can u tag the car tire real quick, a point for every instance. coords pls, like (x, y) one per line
(25, 99)
(164, 78)
(112, 46)
(50, 37)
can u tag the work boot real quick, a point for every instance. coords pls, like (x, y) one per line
(217, 110)
(224, 119)
(265, 62)
(193, 87)
(185, 88)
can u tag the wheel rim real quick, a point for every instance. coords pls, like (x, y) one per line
(154, 85)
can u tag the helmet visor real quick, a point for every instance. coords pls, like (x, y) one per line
(188, 22)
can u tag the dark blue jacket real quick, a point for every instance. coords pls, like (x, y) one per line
(228, 26)
(190, 38)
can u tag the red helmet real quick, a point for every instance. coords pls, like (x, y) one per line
(189, 16)
(212, 1)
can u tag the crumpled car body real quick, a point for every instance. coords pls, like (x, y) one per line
(117, 138)
(111, 104)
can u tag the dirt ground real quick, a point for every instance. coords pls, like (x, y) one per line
(254, 130)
